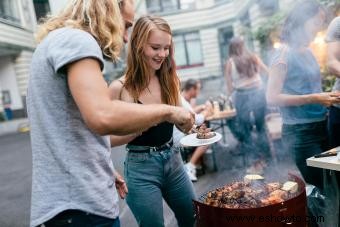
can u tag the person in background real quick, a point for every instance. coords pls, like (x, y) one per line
(242, 74)
(333, 44)
(71, 115)
(153, 169)
(190, 91)
(295, 85)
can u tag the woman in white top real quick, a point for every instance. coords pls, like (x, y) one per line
(242, 74)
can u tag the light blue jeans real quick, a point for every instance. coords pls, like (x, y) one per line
(153, 176)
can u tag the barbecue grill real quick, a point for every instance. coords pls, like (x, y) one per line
(291, 212)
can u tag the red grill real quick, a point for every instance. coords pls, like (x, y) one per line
(291, 212)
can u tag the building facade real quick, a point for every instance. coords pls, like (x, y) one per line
(17, 23)
(203, 28)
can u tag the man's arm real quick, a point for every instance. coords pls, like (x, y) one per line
(333, 60)
(116, 90)
(104, 116)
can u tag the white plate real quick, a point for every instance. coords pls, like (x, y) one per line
(192, 141)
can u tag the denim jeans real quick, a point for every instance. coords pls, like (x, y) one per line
(249, 101)
(153, 176)
(304, 141)
(76, 218)
(334, 126)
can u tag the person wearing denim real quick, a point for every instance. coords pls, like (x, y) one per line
(75, 218)
(295, 85)
(306, 140)
(153, 170)
(72, 116)
(153, 175)
(242, 73)
(253, 101)
(333, 43)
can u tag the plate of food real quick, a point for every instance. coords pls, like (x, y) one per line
(202, 136)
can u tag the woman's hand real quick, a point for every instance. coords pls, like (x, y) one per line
(325, 98)
(120, 185)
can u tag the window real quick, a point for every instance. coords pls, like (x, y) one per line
(188, 50)
(169, 5)
(9, 10)
(42, 8)
(6, 97)
(224, 36)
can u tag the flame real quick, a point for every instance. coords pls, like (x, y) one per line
(277, 45)
(319, 39)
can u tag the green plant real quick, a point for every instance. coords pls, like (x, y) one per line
(269, 29)
(328, 81)
(264, 34)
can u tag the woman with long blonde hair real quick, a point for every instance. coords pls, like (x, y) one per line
(153, 169)
(72, 115)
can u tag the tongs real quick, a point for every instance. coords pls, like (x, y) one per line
(331, 152)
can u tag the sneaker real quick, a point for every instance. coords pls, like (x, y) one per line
(191, 171)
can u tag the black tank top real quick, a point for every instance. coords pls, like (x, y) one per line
(154, 136)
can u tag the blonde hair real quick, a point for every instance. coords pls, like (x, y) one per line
(101, 18)
(137, 76)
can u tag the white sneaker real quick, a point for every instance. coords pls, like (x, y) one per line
(191, 171)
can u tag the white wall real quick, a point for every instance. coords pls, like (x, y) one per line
(8, 82)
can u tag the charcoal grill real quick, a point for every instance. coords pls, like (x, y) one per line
(291, 212)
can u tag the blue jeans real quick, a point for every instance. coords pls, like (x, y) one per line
(76, 218)
(304, 141)
(334, 126)
(249, 101)
(153, 176)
